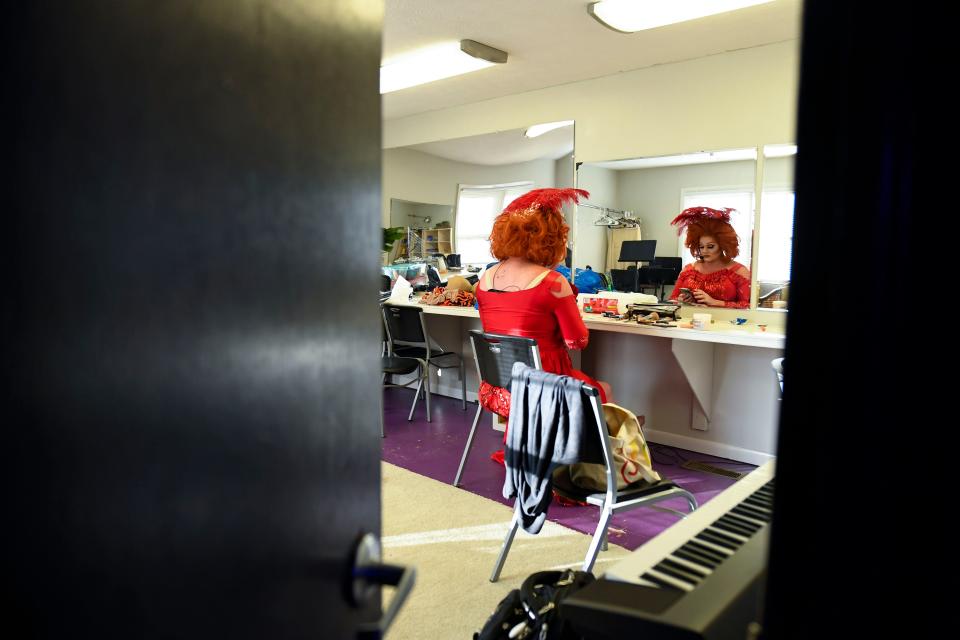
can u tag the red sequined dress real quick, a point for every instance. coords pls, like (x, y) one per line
(537, 312)
(730, 285)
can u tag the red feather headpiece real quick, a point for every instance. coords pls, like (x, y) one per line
(550, 199)
(695, 214)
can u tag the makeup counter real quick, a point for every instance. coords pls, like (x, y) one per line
(710, 390)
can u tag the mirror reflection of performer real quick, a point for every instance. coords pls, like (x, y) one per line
(715, 279)
(522, 295)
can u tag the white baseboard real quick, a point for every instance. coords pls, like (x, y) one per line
(451, 391)
(705, 446)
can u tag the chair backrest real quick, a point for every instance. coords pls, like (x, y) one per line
(595, 446)
(600, 447)
(404, 325)
(622, 279)
(672, 264)
(384, 282)
(495, 355)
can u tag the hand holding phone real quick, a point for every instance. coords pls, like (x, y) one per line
(688, 293)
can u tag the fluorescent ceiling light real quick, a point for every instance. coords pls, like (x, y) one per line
(436, 63)
(540, 129)
(628, 16)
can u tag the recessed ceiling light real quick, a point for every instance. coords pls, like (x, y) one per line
(628, 16)
(438, 62)
(540, 129)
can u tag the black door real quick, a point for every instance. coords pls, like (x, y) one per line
(190, 382)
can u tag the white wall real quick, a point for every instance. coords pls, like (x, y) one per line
(778, 172)
(732, 100)
(420, 177)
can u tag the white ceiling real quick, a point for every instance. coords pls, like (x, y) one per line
(503, 147)
(555, 42)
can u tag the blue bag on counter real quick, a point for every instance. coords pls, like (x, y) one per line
(588, 281)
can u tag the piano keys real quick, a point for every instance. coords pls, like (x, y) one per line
(701, 578)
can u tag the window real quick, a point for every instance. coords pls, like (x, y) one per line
(741, 219)
(776, 236)
(477, 206)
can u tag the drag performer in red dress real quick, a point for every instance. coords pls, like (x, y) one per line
(523, 296)
(715, 279)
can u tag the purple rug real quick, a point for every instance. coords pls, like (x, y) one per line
(433, 449)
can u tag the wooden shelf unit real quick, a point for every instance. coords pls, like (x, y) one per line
(427, 241)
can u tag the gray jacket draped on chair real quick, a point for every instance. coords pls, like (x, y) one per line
(546, 429)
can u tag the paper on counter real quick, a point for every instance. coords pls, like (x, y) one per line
(401, 291)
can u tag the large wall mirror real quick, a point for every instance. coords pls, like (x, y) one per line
(453, 188)
(636, 199)
(775, 237)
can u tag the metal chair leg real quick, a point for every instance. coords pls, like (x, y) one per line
(413, 407)
(427, 381)
(598, 536)
(463, 385)
(514, 525)
(466, 449)
(383, 379)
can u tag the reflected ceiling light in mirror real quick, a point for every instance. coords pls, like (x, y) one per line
(437, 62)
(540, 129)
(702, 157)
(779, 150)
(628, 16)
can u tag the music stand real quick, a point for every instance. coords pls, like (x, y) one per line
(637, 251)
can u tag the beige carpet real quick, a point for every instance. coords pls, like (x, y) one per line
(452, 537)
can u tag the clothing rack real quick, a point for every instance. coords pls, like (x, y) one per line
(622, 219)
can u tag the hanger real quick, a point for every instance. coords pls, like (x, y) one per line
(605, 220)
(616, 222)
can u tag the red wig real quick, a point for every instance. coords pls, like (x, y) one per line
(532, 227)
(704, 221)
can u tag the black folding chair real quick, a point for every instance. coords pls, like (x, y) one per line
(393, 365)
(495, 355)
(640, 494)
(407, 337)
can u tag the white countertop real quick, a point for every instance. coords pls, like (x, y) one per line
(748, 335)
(719, 332)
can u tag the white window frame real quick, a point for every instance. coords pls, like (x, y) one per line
(789, 238)
(509, 191)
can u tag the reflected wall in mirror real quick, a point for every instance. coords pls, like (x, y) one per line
(474, 178)
(775, 237)
(404, 213)
(652, 192)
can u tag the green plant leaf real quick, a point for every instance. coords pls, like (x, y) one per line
(391, 235)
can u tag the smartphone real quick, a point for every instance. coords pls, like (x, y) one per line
(688, 292)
